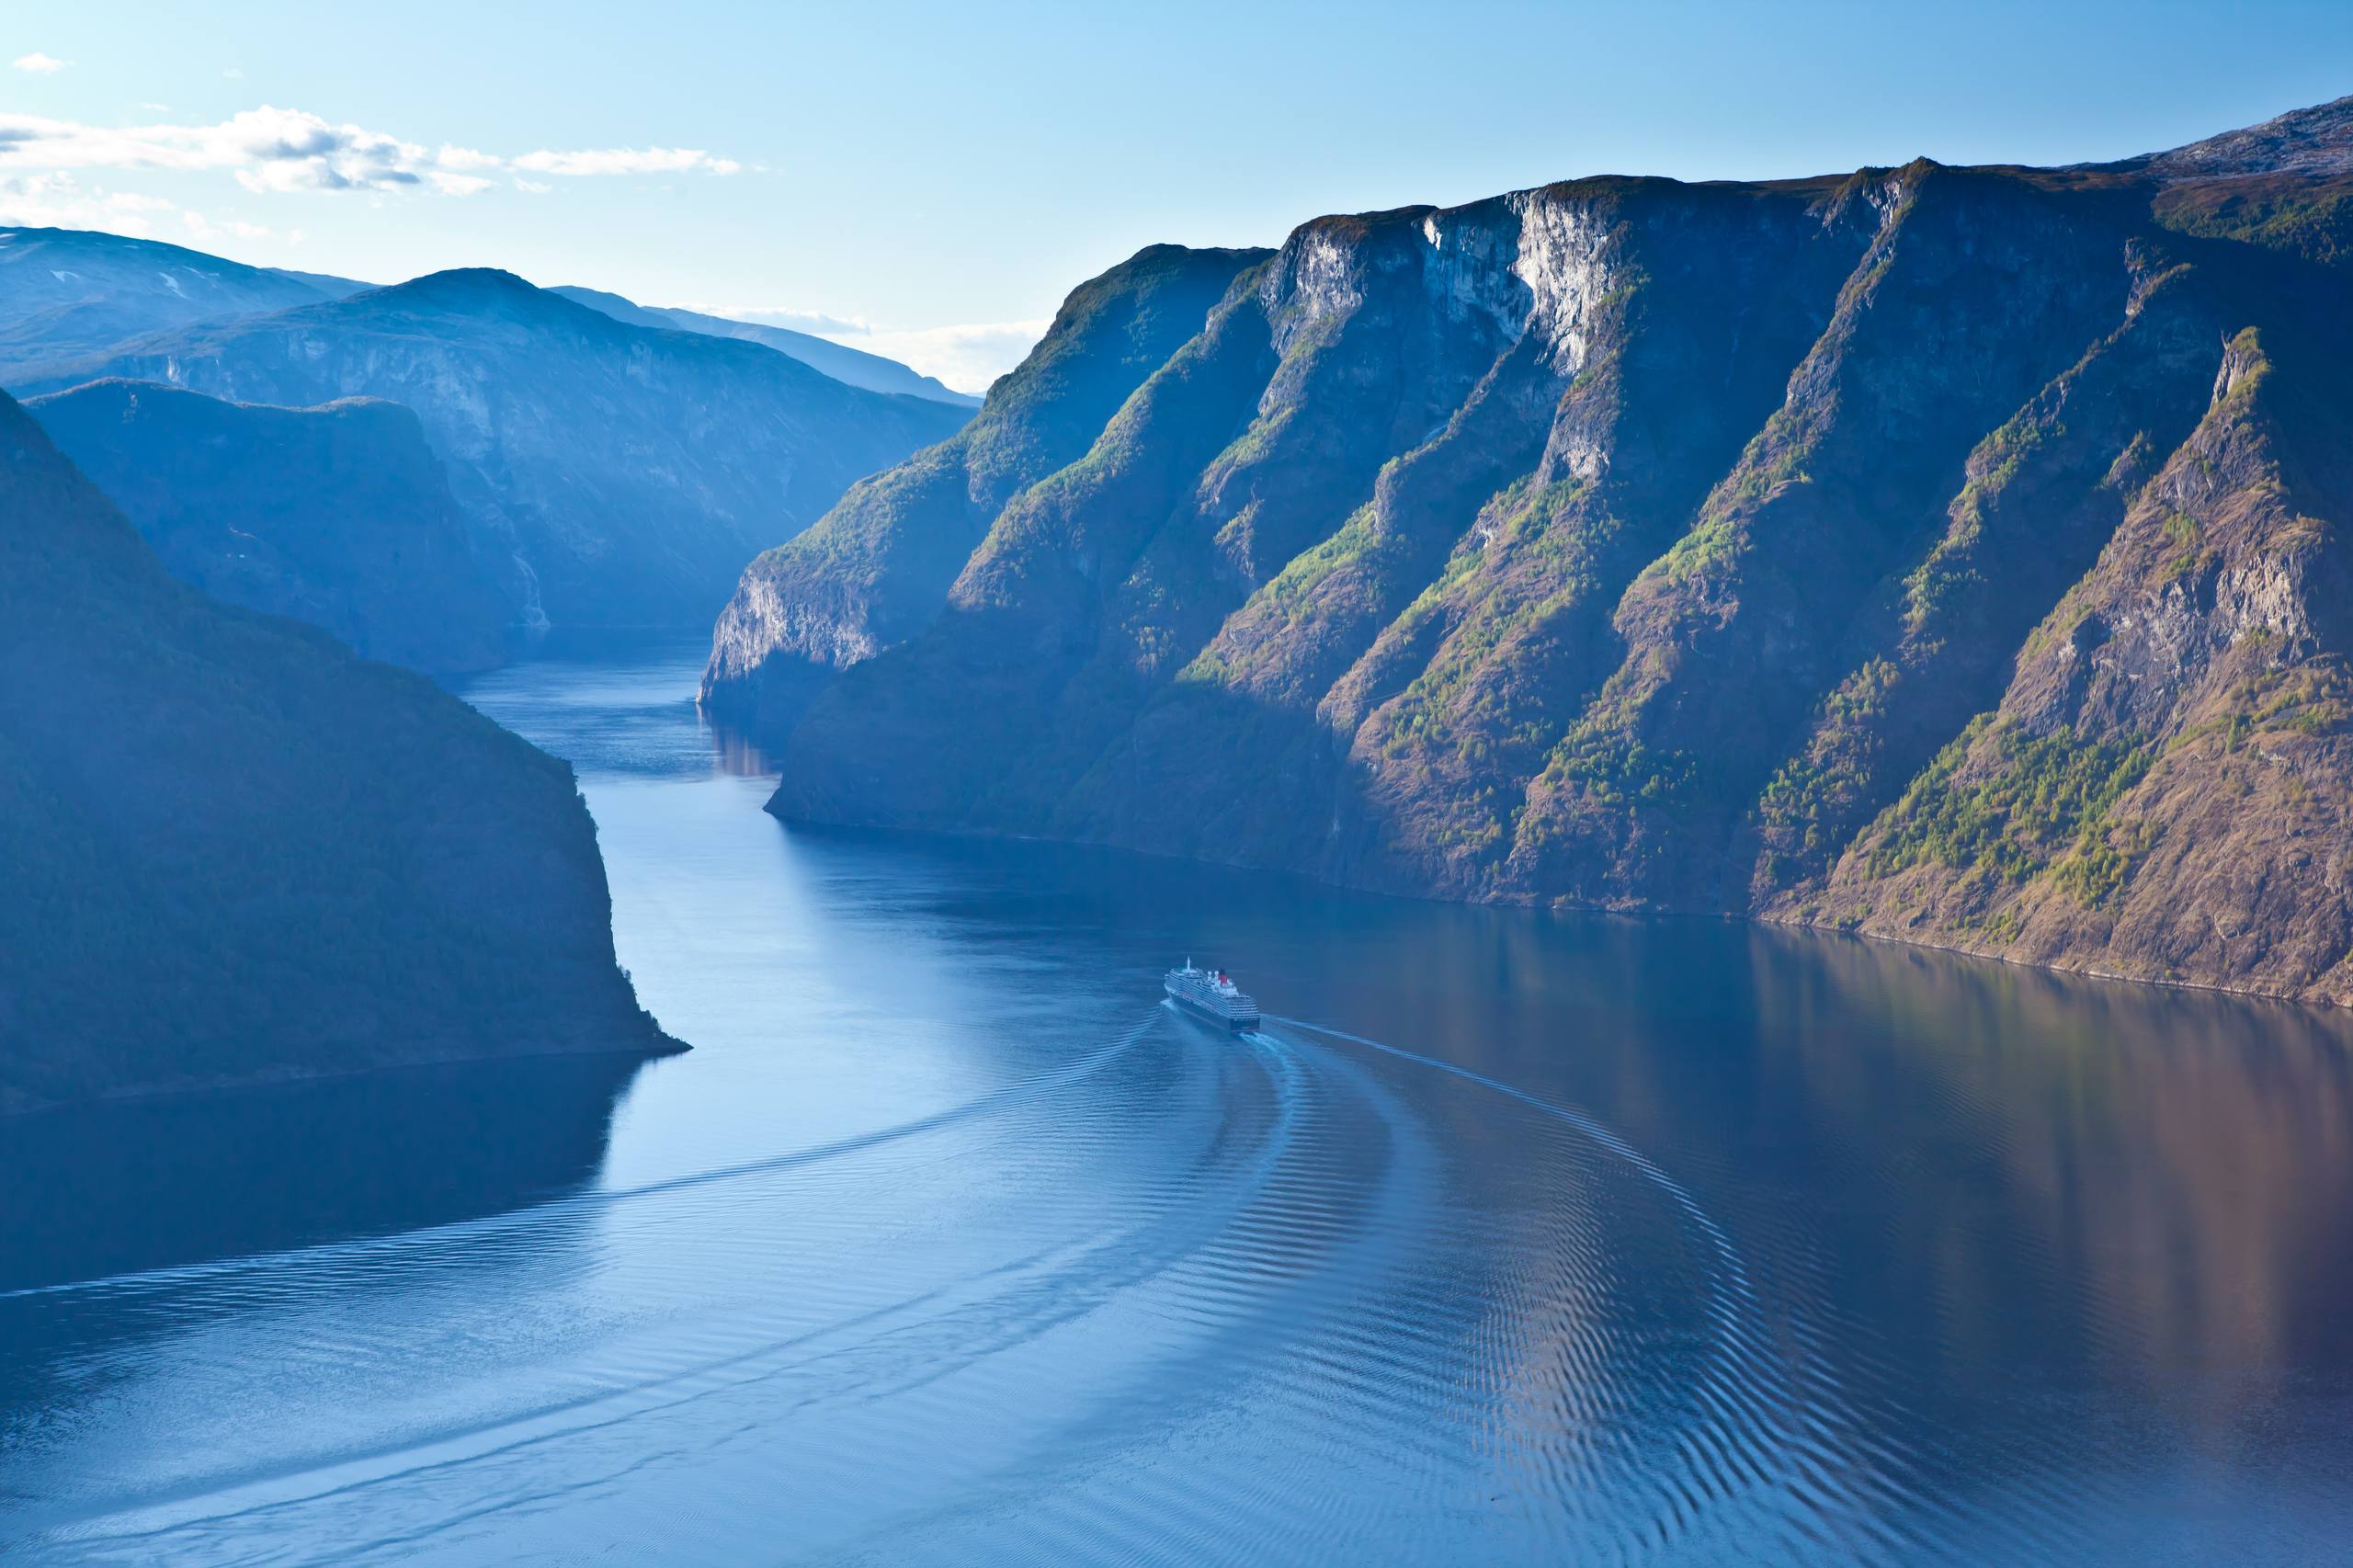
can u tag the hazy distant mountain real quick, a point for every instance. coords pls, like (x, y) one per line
(327, 283)
(612, 475)
(66, 294)
(1955, 555)
(851, 365)
(339, 516)
(236, 853)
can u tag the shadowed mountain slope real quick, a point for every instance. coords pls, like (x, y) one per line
(236, 853)
(875, 570)
(1949, 554)
(339, 516)
(610, 475)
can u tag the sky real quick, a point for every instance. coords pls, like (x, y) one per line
(928, 181)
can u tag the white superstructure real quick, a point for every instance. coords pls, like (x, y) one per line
(1212, 993)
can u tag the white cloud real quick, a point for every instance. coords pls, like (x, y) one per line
(626, 161)
(47, 201)
(60, 201)
(233, 74)
(967, 357)
(206, 228)
(814, 322)
(271, 150)
(267, 148)
(39, 64)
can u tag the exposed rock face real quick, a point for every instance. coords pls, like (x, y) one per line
(614, 475)
(2164, 788)
(2286, 183)
(234, 852)
(876, 571)
(339, 516)
(2315, 142)
(1948, 554)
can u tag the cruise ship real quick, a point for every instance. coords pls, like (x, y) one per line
(1212, 993)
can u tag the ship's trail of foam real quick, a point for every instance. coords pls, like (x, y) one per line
(514, 1432)
(1747, 1373)
(555, 1208)
(1598, 1131)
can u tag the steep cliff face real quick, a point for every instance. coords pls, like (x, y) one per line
(2164, 788)
(338, 515)
(613, 475)
(1427, 647)
(234, 852)
(1735, 548)
(875, 570)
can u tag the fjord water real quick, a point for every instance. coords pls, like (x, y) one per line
(1512, 1238)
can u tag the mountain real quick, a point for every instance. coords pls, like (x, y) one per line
(2314, 144)
(877, 568)
(339, 516)
(235, 852)
(852, 366)
(614, 475)
(66, 294)
(327, 283)
(2286, 183)
(1944, 554)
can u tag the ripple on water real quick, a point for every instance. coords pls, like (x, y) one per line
(1200, 1280)
(1048, 1280)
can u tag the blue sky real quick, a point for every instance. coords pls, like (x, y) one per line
(929, 181)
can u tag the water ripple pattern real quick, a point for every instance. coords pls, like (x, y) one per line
(948, 1244)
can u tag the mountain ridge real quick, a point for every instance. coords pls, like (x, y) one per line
(612, 475)
(67, 293)
(1632, 544)
(114, 289)
(854, 366)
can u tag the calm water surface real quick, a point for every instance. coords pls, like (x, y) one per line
(1512, 1239)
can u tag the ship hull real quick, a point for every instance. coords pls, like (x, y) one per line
(1241, 1023)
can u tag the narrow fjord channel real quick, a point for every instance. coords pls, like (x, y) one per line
(1509, 1238)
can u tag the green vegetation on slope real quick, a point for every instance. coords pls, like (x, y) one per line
(2002, 811)
(1639, 545)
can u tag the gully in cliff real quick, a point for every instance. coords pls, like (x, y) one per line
(1212, 993)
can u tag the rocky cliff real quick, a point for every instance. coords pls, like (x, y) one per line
(877, 569)
(1944, 553)
(612, 474)
(339, 516)
(234, 852)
